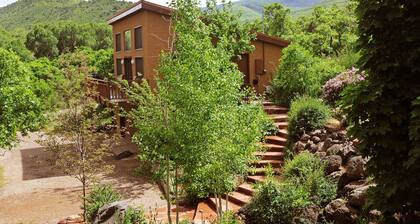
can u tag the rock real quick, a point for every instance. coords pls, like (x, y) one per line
(308, 215)
(316, 139)
(351, 186)
(305, 138)
(342, 135)
(346, 152)
(334, 163)
(109, 214)
(333, 125)
(334, 136)
(315, 132)
(358, 196)
(334, 149)
(320, 145)
(327, 144)
(355, 168)
(339, 211)
(74, 219)
(299, 147)
(313, 148)
(375, 214)
(321, 155)
(123, 155)
(336, 175)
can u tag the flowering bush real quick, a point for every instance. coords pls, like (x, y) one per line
(333, 87)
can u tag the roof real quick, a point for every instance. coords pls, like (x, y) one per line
(145, 5)
(272, 40)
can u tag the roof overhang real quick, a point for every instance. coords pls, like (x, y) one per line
(272, 40)
(141, 5)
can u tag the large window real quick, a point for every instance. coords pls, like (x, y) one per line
(118, 42)
(127, 40)
(138, 44)
(119, 67)
(139, 67)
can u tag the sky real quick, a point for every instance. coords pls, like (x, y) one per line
(162, 2)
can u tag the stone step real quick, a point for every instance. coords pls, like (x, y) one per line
(281, 125)
(256, 178)
(262, 171)
(278, 117)
(231, 206)
(275, 109)
(239, 198)
(205, 213)
(273, 147)
(273, 162)
(268, 103)
(275, 140)
(270, 155)
(246, 188)
(282, 133)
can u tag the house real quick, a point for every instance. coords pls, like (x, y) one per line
(142, 31)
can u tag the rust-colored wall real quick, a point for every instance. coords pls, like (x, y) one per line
(155, 35)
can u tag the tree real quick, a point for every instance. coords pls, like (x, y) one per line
(81, 136)
(384, 108)
(20, 108)
(42, 42)
(276, 20)
(195, 122)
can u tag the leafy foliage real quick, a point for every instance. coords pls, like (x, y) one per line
(98, 197)
(15, 43)
(133, 216)
(333, 87)
(383, 109)
(42, 42)
(20, 108)
(306, 114)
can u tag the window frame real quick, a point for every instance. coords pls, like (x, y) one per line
(119, 64)
(135, 47)
(115, 42)
(135, 62)
(131, 40)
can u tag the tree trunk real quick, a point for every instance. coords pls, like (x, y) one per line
(227, 201)
(176, 194)
(168, 189)
(84, 200)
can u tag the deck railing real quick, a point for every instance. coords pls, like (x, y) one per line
(105, 90)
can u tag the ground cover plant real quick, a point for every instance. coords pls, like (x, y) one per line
(99, 196)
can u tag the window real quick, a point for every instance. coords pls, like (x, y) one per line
(128, 69)
(139, 67)
(119, 67)
(138, 44)
(118, 42)
(127, 40)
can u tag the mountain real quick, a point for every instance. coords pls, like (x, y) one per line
(24, 13)
(252, 9)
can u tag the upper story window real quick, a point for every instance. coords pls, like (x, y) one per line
(127, 40)
(138, 44)
(117, 42)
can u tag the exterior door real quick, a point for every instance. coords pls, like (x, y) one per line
(243, 66)
(128, 70)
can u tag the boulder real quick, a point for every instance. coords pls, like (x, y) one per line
(110, 213)
(316, 139)
(321, 154)
(333, 125)
(305, 138)
(308, 215)
(315, 132)
(320, 146)
(123, 155)
(345, 191)
(339, 211)
(299, 147)
(334, 149)
(333, 163)
(75, 219)
(355, 168)
(345, 151)
(313, 147)
(358, 196)
(336, 175)
(327, 144)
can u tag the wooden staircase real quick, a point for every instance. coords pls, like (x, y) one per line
(273, 156)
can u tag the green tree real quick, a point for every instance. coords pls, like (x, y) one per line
(42, 42)
(276, 20)
(20, 108)
(384, 108)
(15, 43)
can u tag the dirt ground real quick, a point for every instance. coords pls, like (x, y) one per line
(36, 193)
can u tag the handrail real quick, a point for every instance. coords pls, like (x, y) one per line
(106, 90)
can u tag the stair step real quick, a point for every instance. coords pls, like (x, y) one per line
(262, 171)
(231, 206)
(278, 117)
(275, 109)
(276, 140)
(246, 188)
(239, 198)
(256, 178)
(204, 213)
(273, 147)
(282, 125)
(268, 103)
(270, 155)
(274, 163)
(282, 133)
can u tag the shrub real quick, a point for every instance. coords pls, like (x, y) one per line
(228, 217)
(306, 114)
(269, 127)
(276, 202)
(299, 74)
(133, 216)
(98, 197)
(307, 170)
(332, 89)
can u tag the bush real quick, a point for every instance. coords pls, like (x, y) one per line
(133, 216)
(98, 197)
(332, 89)
(307, 170)
(306, 114)
(269, 128)
(299, 74)
(276, 202)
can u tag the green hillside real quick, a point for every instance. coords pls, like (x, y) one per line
(24, 13)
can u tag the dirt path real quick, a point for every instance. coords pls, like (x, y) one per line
(35, 193)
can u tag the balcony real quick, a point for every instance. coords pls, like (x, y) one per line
(105, 91)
